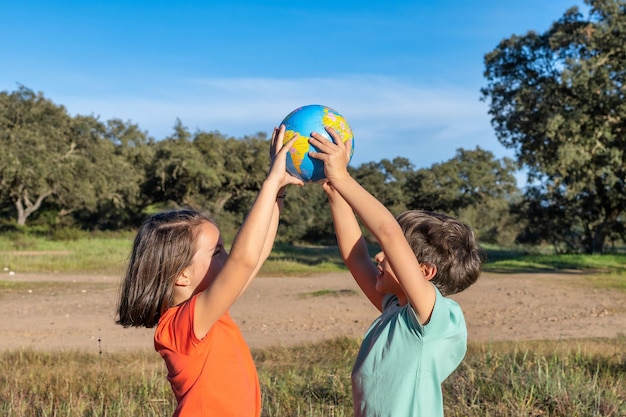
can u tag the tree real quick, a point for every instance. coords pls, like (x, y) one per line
(553, 221)
(120, 156)
(37, 150)
(240, 167)
(178, 172)
(306, 216)
(473, 186)
(558, 99)
(245, 164)
(386, 180)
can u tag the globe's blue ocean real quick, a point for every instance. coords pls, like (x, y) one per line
(304, 121)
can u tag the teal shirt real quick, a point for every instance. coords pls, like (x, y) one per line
(401, 364)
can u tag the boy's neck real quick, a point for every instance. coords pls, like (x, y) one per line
(402, 299)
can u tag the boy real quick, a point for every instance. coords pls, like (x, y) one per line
(420, 337)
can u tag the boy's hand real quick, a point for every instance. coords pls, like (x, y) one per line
(329, 189)
(334, 198)
(335, 155)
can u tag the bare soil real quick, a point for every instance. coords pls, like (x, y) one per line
(76, 312)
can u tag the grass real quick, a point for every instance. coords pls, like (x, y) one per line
(554, 378)
(108, 256)
(513, 261)
(332, 293)
(612, 280)
(601, 271)
(541, 378)
(82, 384)
(536, 378)
(25, 254)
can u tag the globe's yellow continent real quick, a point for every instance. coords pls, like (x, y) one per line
(304, 121)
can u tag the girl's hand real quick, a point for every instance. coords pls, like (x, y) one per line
(335, 154)
(278, 151)
(277, 141)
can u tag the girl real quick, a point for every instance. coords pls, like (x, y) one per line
(181, 279)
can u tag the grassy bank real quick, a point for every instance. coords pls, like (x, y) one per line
(567, 378)
(107, 254)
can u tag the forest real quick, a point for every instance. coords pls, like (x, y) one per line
(555, 98)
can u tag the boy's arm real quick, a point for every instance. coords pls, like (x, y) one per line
(380, 222)
(352, 246)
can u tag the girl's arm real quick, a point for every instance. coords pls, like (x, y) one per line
(270, 237)
(253, 238)
(275, 147)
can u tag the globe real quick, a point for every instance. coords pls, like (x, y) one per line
(303, 121)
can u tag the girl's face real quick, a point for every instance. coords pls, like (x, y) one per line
(209, 258)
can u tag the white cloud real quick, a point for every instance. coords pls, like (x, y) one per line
(390, 117)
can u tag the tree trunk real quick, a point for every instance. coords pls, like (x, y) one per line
(218, 205)
(25, 207)
(598, 240)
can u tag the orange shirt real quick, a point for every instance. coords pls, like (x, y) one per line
(214, 376)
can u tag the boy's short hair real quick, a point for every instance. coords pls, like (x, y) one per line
(446, 242)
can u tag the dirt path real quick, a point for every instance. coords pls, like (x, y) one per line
(76, 311)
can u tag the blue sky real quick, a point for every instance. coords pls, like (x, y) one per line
(405, 74)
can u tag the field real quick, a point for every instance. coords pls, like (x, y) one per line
(545, 340)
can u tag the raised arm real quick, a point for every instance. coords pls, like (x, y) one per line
(380, 222)
(352, 245)
(270, 237)
(250, 245)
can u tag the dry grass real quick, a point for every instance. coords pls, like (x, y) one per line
(553, 378)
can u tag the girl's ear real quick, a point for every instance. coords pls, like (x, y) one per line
(182, 280)
(429, 270)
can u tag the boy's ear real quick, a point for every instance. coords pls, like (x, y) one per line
(428, 270)
(182, 280)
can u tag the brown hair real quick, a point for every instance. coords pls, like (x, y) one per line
(446, 242)
(163, 248)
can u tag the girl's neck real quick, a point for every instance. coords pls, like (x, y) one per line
(181, 295)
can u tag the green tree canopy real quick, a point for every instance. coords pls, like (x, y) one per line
(39, 155)
(118, 159)
(178, 173)
(558, 99)
(473, 186)
(81, 172)
(386, 181)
